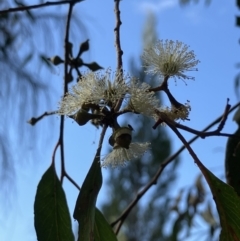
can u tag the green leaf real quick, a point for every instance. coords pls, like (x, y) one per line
(228, 205)
(102, 230)
(93, 66)
(232, 160)
(51, 215)
(85, 206)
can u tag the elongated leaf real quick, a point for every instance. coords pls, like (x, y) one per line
(102, 230)
(51, 215)
(85, 206)
(232, 160)
(228, 205)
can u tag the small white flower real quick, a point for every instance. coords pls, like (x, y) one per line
(170, 58)
(95, 88)
(141, 99)
(174, 113)
(119, 156)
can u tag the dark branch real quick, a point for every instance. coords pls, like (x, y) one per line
(54, 153)
(46, 4)
(117, 35)
(71, 180)
(118, 46)
(34, 120)
(224, 117)
(65, 89)
(216, 132)
(163, 85)
(185, 143)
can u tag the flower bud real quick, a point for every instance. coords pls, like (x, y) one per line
(121, 137)
(123, 140)
(82, 117)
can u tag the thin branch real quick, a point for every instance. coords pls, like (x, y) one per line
(54, 153)
(216, 132)
(46, 4)
(200, 133)
(186, 144)
(118, 47)
(102, 135)
(34, 120)
(65, 88)
(124, 111)
(205, 134)
(163, 85)
(225, 115)
(117, 35)
(153, 181)
(71, 180)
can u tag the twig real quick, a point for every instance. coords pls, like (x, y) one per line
(65, 89)
(102, 135)
(71, 180)
(34, 120)
(224, 117)
(171, 98)
(54, 153)
(200, 133)
(153, 181)
(205, 134)
(163, 85)
(118, 47)
(117, 35)
(46, 4)
(216, 132)
(124, 111)
(186, 144)
(65, 174)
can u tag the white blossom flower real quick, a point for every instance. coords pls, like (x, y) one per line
(119, 156)
(174, 113)
(170, 58)
(94, 88)
(141, 99)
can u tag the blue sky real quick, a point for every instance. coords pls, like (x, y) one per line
(211, 33)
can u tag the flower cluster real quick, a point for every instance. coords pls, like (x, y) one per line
(101, 97)
(94, 88)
